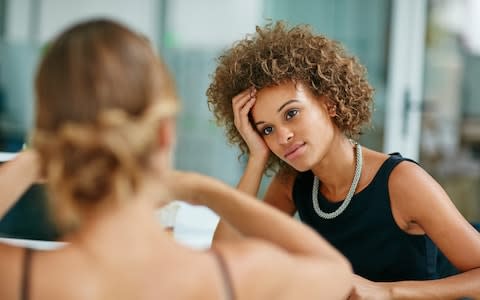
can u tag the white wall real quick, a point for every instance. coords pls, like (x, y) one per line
(55, 15)
(211, 24)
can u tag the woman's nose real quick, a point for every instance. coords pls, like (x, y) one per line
(284, 135)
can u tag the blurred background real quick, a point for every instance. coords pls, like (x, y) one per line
(422, 57)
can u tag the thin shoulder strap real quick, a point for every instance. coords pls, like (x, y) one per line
(227, 279)
(25, 283)
(394, 159)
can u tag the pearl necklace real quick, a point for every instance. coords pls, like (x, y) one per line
(351, 191)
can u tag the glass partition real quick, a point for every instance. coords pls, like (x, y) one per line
(28, 218)
(3, 9)
(17, 65)
(450, 144)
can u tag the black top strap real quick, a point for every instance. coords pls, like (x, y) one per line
(25, 283)
(227, 279)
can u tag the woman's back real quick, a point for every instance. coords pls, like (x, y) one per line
(113, 260)
(125, 254)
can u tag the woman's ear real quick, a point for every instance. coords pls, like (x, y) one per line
(330, 106)
(166, 134)
(332, 110)
(162, 158)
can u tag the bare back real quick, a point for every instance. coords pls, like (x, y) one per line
(167, 269)
(72, 273)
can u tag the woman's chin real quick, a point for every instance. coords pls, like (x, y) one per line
(299, 167)
(301, 170)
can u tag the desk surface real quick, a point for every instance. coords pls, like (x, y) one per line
(4, 156)
(42, 245)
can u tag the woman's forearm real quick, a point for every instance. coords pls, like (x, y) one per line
(253, 218)
(252, 176)
(462, 286)
(16, 176)
(249, 183)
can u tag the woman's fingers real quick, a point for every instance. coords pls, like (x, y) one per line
(246, 93)
(242, 103)
(239, 101)
(245, 110)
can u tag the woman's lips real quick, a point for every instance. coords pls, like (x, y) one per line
(294, 151)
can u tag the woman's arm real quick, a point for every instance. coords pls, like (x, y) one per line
(16, 176)
(422, 204)
(278, 195)
(249, 183)
(257, 160)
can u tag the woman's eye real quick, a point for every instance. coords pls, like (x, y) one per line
(291, 113)
(267, 130)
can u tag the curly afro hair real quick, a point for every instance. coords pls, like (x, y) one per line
(275, 54)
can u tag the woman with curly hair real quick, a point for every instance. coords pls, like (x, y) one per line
(295, 103)
(104, 136)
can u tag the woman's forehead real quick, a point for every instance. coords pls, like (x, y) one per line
(270, 100)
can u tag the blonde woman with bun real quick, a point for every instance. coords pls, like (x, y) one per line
(104, 135)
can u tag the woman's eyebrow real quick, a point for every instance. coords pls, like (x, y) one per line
(279, 109)
(286, 103)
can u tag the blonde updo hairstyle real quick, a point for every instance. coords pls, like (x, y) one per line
(102, 95)
(277, 53)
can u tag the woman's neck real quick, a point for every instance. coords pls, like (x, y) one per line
(336, 169)
(131, 226)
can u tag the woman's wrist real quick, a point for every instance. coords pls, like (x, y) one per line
(404, 290)
(260, 156)
(257, 162)
(29, 161)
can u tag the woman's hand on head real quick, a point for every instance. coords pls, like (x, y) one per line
(242, 105)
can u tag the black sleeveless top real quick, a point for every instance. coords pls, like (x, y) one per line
(367, 234)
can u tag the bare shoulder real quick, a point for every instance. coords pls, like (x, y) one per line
(282, 275)
(247, 254)
(10, 257)
(373, 161)
(10, 271)
(253, 257)
(411, 187)
(373, 156)
(411, 191)
(426, 208)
